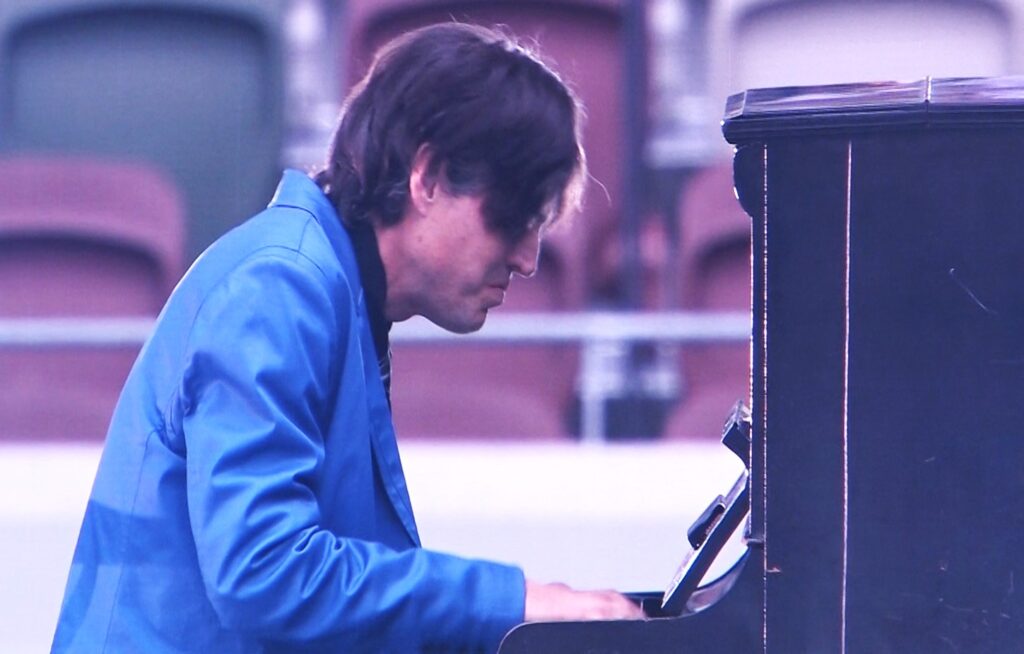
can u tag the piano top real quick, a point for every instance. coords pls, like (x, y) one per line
(973, 101)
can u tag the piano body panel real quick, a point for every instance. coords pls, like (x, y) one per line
(804, 329)
(913, 485)
(936, 383)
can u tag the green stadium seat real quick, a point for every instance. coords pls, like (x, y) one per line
(194, 89)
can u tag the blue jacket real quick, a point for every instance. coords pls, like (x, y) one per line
(250, 496)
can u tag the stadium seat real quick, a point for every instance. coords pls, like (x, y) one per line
(514, 391)
(769, 43)
(79, 238)
(193, 88)
(714, 269)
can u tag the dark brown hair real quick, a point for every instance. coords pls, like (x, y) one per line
(498, 123)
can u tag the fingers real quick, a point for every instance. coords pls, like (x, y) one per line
(610, 605)
(547, 602)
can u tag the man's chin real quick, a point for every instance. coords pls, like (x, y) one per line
(461, 325)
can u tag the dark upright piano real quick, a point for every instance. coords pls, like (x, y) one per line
(886, 434)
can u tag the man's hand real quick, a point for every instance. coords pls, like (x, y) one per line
(550, 602)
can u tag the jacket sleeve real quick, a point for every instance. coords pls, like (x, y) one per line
(257, 389)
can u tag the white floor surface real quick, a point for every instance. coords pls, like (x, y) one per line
(602, 516)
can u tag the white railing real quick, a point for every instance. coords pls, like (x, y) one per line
(602, 338)
(73, 332)
(527, 328)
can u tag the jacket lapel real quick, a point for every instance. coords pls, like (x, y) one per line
(382, 434)
(382, 431)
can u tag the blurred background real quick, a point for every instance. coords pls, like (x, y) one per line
(576, 434)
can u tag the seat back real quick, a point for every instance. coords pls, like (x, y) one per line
(79, 238)
(193, 89)
(771, 43)
(714, 270)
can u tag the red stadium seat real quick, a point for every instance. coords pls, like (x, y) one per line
(514, 391)
(714, 266)
(79, 238)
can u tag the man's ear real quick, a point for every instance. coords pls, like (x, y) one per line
(423, 184)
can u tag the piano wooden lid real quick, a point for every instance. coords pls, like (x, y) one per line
(971, 102)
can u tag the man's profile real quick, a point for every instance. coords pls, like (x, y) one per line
(250, 496)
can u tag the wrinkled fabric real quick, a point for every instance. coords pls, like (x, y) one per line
(250, 496)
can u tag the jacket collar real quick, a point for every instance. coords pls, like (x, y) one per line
(298, 191)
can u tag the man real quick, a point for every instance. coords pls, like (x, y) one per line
(250, 496)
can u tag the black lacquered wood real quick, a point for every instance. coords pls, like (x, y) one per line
(887, 443)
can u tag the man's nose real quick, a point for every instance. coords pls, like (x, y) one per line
(524, 256)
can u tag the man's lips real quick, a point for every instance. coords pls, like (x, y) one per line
(501, 285)
(500, 290)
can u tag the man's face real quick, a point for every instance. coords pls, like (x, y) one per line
(464, 268)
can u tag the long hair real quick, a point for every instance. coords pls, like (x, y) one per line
(498, 122)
